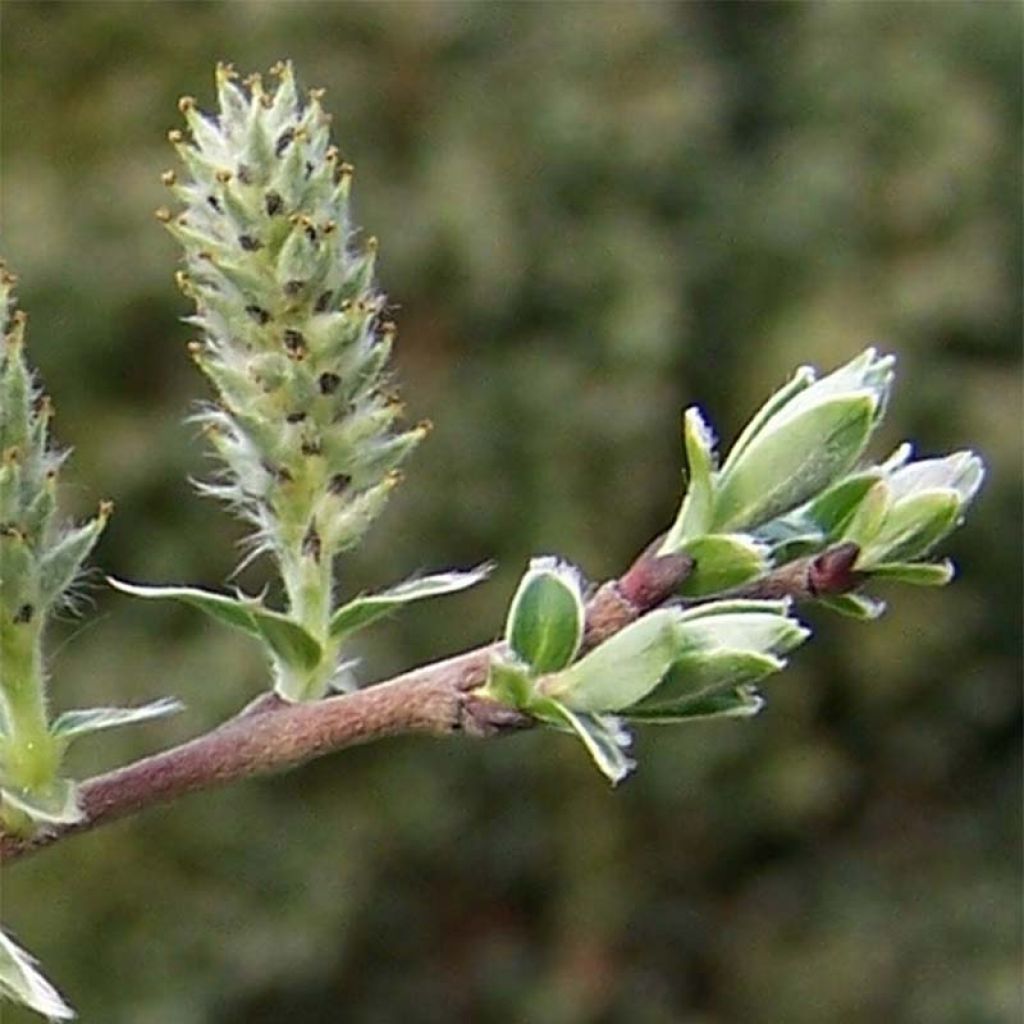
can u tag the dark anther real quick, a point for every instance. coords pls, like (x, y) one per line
(215, 203)
(311, 447)
(259, 314)
(323, 302)
(273, 203)
(328, 383)
(294, 342)
(249, 243)
(283, 141)
(339, 483)
(295, 417)
(311, 231)
(293, 288)
(244, 174)
(309, 168)
(279, 473)
(24, 614)
(311, 543)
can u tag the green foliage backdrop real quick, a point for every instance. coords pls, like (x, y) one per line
(590, 215)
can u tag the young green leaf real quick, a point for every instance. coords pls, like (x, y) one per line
(743, 625)
(855, 606)
(833, 509)
(22, 982)
(912, 527)
(919, 574)
(604, 736)
(696, 513)
(286, 639)
(71, 724)
(509, 683)
(622, 670)
(804, 438)
(546, 618)
(363, 610)
(60, 564)
(722, 561)
(742, 702)
(793, 460)
(701, 673)
(55, 804)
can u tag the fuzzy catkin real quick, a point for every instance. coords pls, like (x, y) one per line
(292, 332)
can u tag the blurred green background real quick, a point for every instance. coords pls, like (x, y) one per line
(590, 216)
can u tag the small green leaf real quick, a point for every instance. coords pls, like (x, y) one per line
(604, 736)
(832, 510)
(854, 606)
(723, 561)
(806, 437)
(913, 527)
(22, 982)
(288, 641)
(920, 574)
(232, 611)
(546, 618)
(70, 724)
(962, 472)
(801, 380)
(509, 683)
(697, 509)
(743, 702)
(57, 804)
(869, 516)
(60, 564)
(763, 627)
(622, 670)
(285, 638)
(701, 673)
(363, 610)
(793, 460)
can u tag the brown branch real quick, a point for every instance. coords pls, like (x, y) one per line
(805, 579)
(269, 734)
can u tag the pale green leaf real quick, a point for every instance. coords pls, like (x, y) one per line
(854, 606)
(546, 617)
(919, 574)
(913, 527)
(622, 670)
(833, 509)
(743, 702)
(368, 608)
(286, 639)
(70, 724)
(790, 462)
(604, 736)
(701, 673)
(508, 683)
(722, 562)
(56, 804)
(868, 518)
(23, 983)
(697, 510)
